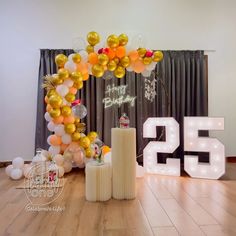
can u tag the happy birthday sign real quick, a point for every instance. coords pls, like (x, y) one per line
(117, 95)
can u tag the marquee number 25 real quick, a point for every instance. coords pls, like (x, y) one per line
(192, 142)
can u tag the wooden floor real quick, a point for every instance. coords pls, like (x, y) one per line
(164, 206)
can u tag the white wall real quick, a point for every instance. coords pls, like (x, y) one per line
(29, 25)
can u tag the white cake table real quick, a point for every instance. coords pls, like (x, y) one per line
(124, 163)
(98, 181)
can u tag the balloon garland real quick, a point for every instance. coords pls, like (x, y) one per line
(64, 113)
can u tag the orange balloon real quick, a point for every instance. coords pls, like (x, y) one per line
(46, 99)
(85, 76)
(64, 147)
(138, 66)
(111, 54)
(120, 52)
(93, 58)
(55, 140)
(69, 120)
(133, 55)
(48, 107)
(82, 67)
(58, 120)
(73, 90)
(105, 150)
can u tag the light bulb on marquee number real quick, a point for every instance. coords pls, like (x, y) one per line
(172, 166)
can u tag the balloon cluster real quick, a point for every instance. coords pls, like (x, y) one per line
(114, 56)
(98, 58)
(17, 169)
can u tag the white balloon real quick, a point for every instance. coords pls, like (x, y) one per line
(129, 68)
(84, 55)
(59, 130)
(61, 171)
(67, 166)
(51, 126)
(8, 170)
(70, 66)
(70, 57)
(58, 159)
(47, 117)
(48, 140)
(138, 41)
(146, 73)
(151, 67)
(68, 83)
(54, 150)
(62, 90)
(18, 163)
(16, 174)
(78, 44)
(66, 139)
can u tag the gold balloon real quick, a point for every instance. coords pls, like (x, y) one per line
(125, 61)
(76, 58)
(93, 38)
(63, 73)
(56, 80)
(103, 59)
(70, 128)
(84, 142)
(98, 70)
(92, 136)
(111, 66)
(157, 56)
(75, 136)
(142, 52)
(77, 76)
(117, 60)
(55, 101)
(89, 49)
(78, 85)
(70, 97)
(147, 60)
(89, 152)
(51, 92)
(66, 111)
(123, 39)
(54, 113)
(113, 41)
(119, 72)
(81, 127)
(77, 121)
(60, 60)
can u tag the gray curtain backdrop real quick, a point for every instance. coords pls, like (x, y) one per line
(181, 91)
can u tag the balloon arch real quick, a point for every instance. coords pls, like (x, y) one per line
(64, 112)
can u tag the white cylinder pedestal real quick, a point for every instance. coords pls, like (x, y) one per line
(124, 163)
(98, 181)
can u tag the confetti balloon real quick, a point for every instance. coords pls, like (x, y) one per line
(79, 111)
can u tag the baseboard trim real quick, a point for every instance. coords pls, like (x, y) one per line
(7, 163)
(231, 159)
